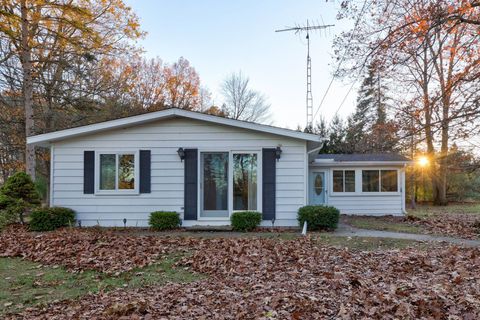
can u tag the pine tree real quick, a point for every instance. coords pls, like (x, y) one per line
(368, 128)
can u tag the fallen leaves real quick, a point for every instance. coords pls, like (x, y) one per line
(266, 279)
(80, 249)
(460, 225)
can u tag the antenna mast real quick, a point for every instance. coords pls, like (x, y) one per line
(309, 97)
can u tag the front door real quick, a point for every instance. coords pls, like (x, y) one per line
(317, 188)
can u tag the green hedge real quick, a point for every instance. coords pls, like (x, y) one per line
(164, 220)
(48, 219)
(245, 220)
(319, 217)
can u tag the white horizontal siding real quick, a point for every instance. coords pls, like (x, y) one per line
(368, 205)
(163, 139)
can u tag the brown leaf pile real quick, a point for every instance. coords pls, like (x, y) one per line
(79, 249)
(455, 225)
(298, 279)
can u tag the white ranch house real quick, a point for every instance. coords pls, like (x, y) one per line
(205, 167)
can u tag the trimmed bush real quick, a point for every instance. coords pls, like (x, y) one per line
(164, 220)
(20, 186)
(48, 219)
(10, 210)
(245, 220)
(319, 217)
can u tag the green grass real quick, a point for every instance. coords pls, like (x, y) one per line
(383, 225)
(367, 243)
(26, 284)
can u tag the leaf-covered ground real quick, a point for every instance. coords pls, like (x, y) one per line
(456, 220)
(261, 278)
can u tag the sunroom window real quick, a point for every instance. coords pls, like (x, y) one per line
(116, 171)
(343, 180)
(379, 181)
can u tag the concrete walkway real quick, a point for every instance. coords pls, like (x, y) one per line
(345, 230)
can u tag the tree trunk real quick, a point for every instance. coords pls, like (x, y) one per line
(27, 90)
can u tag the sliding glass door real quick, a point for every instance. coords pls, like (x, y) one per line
(214, 184)
(229, 181)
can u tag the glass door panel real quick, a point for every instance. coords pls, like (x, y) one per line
(244, 181)
(317, 188)
(214, 184)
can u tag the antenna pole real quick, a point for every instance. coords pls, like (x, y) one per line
(309, 100)
(309, 96)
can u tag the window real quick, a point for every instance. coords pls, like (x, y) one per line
(379, 181)
(116, 171)
(370, 181)
(389, 181)
(343, 180)
(245, 181)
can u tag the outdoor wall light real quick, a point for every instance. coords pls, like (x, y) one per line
(278, 153)
(181, 153)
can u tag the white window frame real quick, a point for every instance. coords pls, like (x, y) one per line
(380, 181)
(230, 180)
(344, 192)
(134, 191)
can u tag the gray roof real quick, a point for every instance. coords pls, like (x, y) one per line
(363, 157)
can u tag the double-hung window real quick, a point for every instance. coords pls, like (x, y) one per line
(379, 180)
(117, 172)
(343, 180)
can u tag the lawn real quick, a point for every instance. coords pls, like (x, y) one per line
(26, 284)
(367, 243)
(82, 273)
(383, 224)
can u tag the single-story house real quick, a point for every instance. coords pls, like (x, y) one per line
(205, 167)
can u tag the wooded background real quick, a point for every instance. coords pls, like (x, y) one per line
(66, 63)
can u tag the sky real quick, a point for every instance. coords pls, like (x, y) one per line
(221, 37)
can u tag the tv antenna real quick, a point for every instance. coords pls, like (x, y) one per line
(297, 30)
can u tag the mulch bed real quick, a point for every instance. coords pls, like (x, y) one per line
(265, 278)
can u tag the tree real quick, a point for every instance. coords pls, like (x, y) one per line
(435, 67)
(182, 85)
(242, 102)
(336, 137)
(42, 35)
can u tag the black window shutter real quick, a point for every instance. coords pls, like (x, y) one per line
(269, 163)
(89, 172)
(191, 184)
(145, 171)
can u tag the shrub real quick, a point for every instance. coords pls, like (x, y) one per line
(20, 188)
(48, 219)
(319, 217)
(63, 217)
(245, 220)
(10, 210)
(164, 220)
(7, 216)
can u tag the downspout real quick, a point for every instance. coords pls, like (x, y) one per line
(404, 210)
